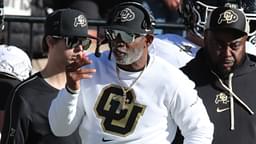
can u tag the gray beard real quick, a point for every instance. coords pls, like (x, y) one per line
(131, 57)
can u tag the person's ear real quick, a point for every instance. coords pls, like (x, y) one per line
(149, 39)
(50, 41)
(246, 36)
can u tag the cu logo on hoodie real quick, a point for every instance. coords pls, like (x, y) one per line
(228, 16)
(115, 119)
(221, 98)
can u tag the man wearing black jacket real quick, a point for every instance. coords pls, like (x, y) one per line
(225, 78)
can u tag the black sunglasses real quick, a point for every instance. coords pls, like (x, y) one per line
(72, 42)
(124, 36)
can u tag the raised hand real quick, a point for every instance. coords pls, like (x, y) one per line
(74, 72)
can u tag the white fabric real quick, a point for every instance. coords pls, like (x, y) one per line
(168, 96)
(168, 47)
(17, 7)
(250, 48)
(14, 62)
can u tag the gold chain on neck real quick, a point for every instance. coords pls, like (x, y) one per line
(126, 90)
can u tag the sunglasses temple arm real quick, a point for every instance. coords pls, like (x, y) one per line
(97, 49)
(110, 52)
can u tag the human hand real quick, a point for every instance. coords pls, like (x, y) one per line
(74, 72)
(172, 4)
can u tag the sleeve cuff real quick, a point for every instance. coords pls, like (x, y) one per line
(69, 90)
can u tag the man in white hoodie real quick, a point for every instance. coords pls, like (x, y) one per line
(134, 98)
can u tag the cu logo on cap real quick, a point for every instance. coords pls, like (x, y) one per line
(80, 20)
(127, 15)
(228, 16)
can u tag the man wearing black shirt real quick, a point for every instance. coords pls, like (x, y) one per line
(26, 120)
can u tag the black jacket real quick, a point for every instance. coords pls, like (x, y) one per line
(26, 117)
(217, 99)
(6, 86)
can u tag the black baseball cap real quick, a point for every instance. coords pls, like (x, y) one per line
(67, 23)
(226, 18)
(131, 17)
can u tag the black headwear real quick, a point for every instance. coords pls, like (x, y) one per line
(130, 17)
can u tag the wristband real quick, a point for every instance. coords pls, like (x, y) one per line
(71, 91)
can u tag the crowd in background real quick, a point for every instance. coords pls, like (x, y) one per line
(94, 9)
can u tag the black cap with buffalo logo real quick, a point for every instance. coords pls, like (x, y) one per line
(226, 18)
(131, 17)
(67, 23)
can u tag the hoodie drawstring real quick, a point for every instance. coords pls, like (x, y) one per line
(232, 113)
(232, 96)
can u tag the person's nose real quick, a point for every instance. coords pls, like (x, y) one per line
(118, 40)
(227, 50)
(78, 48)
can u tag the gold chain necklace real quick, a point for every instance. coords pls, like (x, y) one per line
(126, 90)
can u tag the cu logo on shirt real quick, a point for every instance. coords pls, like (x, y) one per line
(116, 120)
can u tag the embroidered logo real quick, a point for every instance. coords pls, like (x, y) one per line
(80, 20)
(126, 15)
(221, 97)
(106, 140)
(114, 119)
(228, 16)
(221, 110)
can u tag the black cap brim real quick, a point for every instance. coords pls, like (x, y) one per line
(124, 28)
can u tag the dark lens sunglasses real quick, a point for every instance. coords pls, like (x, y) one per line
(72, 42)
(118, 34)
